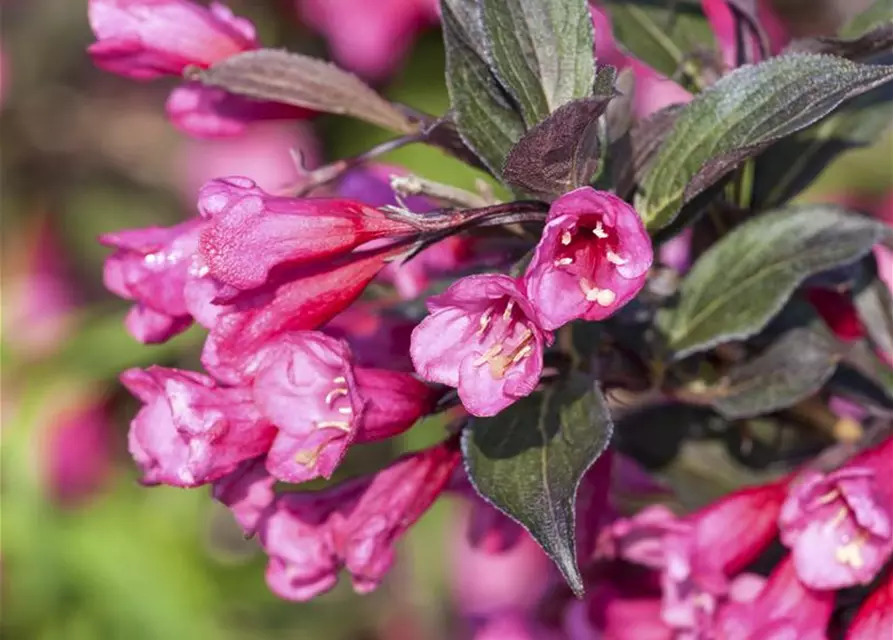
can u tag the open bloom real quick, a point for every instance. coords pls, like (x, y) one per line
(305, 386)
(592, 259)
(151, 267)
(249, 232)
(839, 526)
(482, 338)
(310, 536)
(192, 431)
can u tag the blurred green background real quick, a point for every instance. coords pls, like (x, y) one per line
(87, 552)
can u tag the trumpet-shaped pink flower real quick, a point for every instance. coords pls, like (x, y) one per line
(482, 337)
(699, 554)
(247, 492)
(249, 232)
(875, 617)
(839, 526)
(151, 267)
(191, 431)
(298, 299)
(784, 609)
(305, 386)
(592, 259)
(145, 39)
(309, 537)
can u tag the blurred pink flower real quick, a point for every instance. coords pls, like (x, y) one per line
(147, 39)
(875, 617)
(784, 608)
(263, 153)
(839, 526)
(369, 38)
(78, 450)
(38, 295)
(310, 536)
(653, 91)
(723, 23)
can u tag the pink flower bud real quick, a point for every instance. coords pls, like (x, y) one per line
(144, 39)
(191, 431)
(592, 259)
(247, 491)
(482, 337)
(875, 617)
(249, 231)
(839, 526)
(211, 112)
(151, 267)
(297, 299)
(724, 24)
(305, 386)
(311, 536)
(394, 402)
(785, 608)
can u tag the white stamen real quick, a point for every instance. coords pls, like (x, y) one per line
(507, 314)
(335, 393)
(332, 424)
(340, 380)
(345, 411)
(599, 230)
(566, 237)
(605, 297)
(563, 262)
(613, 258)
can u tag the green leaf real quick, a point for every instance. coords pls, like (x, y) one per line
(662, 33)
(295, 79)
(739, 117)
(791, 164)
(484, 113)
(878, 14)
(742, 281)
(542, 52)
(560, 153)
(528, 462)
(791, 369)
(876, 41)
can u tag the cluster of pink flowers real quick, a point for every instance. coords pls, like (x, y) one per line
(299, 369)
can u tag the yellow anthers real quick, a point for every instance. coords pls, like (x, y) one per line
(334, 394)
(334, 424)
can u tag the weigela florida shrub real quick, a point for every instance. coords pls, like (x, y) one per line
(562, 354)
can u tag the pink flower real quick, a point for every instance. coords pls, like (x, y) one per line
(151, 267)
(263, 153)
(785, 608)
(394, 402)
(145, 39)
(592, 259)
(723, 23)
(211, 112)
(249, 231)
(699, 554)
(191, 431)
(310, 536)
(875, 617)
(305, 386)
(78, 453)
(839, 526)
(297, 299)
(247, 492)
(482, 338)
(369, 38)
